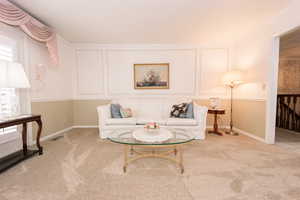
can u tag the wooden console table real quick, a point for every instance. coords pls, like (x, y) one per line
(216, 112)
(26, 153)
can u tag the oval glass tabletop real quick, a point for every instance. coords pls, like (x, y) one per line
(121, 136)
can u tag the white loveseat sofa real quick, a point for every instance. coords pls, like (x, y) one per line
(151, 110)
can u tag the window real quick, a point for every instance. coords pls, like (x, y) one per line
(6, 94)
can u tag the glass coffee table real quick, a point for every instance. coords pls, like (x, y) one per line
(170, 149)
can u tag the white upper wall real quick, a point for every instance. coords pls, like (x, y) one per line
(51, 82)
(210, 23)
(254, 53)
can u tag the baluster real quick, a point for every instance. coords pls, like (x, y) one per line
(284, 112)
(281, 112)
(294, 113)
(288, 114)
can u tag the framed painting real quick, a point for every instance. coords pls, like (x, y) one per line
(151, 76)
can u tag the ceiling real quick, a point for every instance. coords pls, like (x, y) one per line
(206, 22)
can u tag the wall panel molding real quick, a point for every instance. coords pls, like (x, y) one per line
(188, 77)
(213, 63)
(90, 72)
(150, 56)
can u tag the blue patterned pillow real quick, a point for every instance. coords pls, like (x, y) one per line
(115, 111)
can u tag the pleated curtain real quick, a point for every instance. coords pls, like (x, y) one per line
(14, 16)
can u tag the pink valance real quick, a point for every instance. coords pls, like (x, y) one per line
(12, 15)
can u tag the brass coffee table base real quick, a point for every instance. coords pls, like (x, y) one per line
(131, 155)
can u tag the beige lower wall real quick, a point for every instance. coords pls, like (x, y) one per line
(250, 116)
(85, 113)
(56, 115)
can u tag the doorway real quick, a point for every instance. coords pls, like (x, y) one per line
(287, 132)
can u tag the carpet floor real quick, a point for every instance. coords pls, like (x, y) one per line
(80, 166)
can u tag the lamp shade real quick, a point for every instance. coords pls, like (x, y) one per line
(232, 78)
(12, 75)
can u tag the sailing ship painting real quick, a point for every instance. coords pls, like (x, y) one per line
(151, 76)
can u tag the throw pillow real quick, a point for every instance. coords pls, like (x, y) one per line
(115, 111)
(178, 110)
(190, 111)
(126, 112)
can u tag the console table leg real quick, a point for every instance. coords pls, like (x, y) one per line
(24, 138)
(39, 122)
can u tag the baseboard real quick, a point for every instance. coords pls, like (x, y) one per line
(53, 135)
(240, 132)
(91, 126)
(249, 135)
(48, 137)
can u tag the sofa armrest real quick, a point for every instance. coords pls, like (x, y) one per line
(103, 114)
(200, 115)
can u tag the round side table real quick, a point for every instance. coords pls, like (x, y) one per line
(216, 112)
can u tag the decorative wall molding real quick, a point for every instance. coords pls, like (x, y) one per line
(196, 67)
(211, 68)
(36, 100)
(83, 69)
(149, 56)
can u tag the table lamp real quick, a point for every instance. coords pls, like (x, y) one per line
(12, 75)
(232, 79)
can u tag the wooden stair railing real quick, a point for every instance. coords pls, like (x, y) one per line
(287, 116)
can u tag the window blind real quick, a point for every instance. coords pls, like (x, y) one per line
(6, 94)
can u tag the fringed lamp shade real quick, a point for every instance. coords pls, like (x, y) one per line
(232, 78)
(12, 75)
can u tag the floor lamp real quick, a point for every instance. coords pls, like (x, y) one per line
(232, 79)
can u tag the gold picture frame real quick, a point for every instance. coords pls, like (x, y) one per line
(151, 76)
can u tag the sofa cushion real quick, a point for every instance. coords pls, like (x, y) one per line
(121, 121)
(142, 121)
(181, 122)
(190, 111)
(115, 111)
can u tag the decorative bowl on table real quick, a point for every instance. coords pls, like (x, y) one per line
(152, 135)
(152, 126)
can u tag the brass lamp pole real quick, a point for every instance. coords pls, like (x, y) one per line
(230, 131)
(232, 79)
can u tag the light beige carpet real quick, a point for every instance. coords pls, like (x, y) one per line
(288, 139)
(80, 166)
